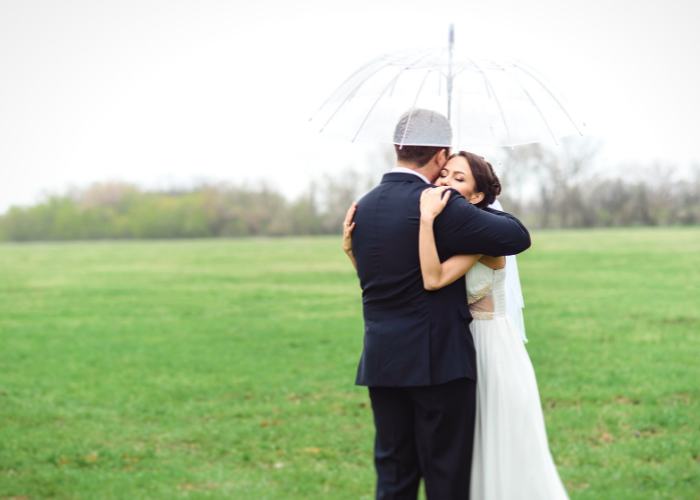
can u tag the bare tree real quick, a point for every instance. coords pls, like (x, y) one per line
(560, 174)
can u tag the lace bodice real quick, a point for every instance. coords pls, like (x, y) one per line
(486, 292)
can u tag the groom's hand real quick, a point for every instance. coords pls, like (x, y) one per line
(348, 226)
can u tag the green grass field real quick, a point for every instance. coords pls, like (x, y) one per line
(225, 368)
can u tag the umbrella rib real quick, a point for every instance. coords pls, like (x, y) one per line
(351, 94)
(532, 101)
(359, 70)
(517, 65)
(393, 80)
(357, 88)
(495, 97)
(410, 113)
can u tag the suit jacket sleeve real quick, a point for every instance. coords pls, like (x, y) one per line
(463, 229)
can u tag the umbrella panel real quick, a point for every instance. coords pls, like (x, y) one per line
(492, 102)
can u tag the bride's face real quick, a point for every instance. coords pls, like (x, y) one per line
(457, 175)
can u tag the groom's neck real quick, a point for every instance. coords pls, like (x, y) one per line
(425, 170)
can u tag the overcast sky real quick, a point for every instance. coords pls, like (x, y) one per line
(166, 92)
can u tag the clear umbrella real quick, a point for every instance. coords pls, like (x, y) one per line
(488, 102)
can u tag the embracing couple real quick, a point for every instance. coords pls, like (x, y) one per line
(453, 392)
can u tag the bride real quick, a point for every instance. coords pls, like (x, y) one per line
(511, 453)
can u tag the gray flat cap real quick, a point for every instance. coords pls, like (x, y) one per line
(423, 127)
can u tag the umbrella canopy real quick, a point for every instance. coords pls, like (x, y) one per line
(488, 102)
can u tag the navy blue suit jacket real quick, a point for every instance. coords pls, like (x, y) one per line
(415, 337)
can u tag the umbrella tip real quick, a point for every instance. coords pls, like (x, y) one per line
(452, 33)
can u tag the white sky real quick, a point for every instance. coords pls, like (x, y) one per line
(163, 91)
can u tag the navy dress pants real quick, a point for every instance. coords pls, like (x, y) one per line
(424, 432)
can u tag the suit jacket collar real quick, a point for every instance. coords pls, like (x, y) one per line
(401, 177)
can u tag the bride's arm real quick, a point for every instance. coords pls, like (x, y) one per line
(348, 226)
(435, 274)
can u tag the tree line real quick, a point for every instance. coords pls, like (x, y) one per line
(568, 188)
(545, 187)
(124, 211)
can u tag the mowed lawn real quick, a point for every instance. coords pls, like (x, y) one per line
(225, 368)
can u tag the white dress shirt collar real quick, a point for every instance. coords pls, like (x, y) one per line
(404, 170)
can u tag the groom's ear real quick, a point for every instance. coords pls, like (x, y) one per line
(442, 158)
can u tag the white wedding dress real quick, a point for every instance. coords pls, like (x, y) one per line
(511, 453)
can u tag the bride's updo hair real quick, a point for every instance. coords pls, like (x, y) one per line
(486, 179)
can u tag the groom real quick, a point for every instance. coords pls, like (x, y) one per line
(419, 361)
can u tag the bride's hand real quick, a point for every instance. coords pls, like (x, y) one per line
(348, 226)
(432, 202)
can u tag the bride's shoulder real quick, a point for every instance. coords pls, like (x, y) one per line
(494, 263)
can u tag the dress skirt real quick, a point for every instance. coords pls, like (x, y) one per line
(511, 459)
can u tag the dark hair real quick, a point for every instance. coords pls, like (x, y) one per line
(418, 155)
(418, 135)
(486, 179)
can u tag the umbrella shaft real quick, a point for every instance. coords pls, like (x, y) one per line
(449, 74)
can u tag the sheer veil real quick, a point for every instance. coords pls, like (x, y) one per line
(514, 293)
